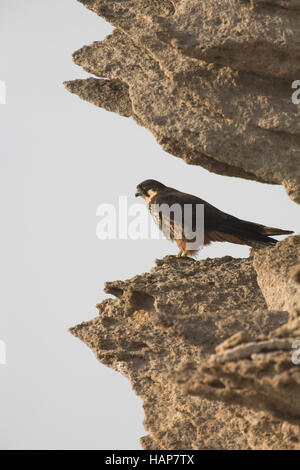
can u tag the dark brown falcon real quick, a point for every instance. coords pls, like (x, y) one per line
(218, 226)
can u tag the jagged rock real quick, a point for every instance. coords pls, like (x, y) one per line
(111, 95)
(207, 345)
(261, 40)
(259, 375)
(277, 275)
(211, 80)
(212, 364)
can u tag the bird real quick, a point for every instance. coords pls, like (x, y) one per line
(218, 226)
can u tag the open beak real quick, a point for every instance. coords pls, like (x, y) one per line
(138, 193)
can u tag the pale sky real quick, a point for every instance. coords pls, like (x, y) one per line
(60, 158)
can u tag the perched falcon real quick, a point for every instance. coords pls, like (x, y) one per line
(218, 226)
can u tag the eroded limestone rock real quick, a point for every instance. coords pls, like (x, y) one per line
(207, 345)
(211, 80)
(212, 364)
(277, 275)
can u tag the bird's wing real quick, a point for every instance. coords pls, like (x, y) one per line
(218, 225)
(189, 216)
(213, 216)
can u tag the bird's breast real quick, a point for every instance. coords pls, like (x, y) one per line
(149, 198)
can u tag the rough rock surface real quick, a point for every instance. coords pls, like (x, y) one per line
(211, 362)
(278, 281)
(212, 80)
(210, 346)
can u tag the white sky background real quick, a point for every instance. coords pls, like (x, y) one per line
(60, 158)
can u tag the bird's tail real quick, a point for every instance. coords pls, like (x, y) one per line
(274, 231)
(255, 235)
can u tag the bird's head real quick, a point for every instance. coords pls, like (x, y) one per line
(148, 188)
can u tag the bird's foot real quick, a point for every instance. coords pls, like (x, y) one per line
(181, 254)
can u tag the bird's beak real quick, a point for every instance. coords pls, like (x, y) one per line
(138, 193)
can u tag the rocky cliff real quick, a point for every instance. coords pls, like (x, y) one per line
(212, 80)
(208, 345)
